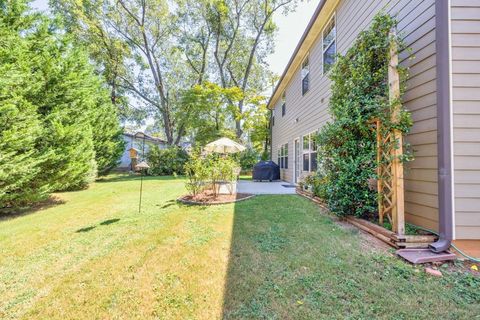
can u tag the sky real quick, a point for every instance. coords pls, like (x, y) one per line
(290, 30)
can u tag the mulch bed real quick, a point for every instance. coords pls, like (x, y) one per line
(208, 198)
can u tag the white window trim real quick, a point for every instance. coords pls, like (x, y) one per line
(313, 133)
(308, 151)
(334, 18)
(307, 57)
(281, 155)
(302, 76)
(296, 162)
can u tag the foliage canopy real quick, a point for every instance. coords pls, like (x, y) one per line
(347, 144)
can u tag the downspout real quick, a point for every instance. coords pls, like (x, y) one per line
(271, 134)
(444, 128)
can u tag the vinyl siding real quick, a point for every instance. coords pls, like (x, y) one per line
(465, 28)
(417, 26)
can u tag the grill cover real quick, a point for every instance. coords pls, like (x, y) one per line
(266, 170)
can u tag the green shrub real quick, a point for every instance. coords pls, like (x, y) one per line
(197, 174)
(316, 183)
(165, 162)
(248, 159)
(208, 171)
(347, 145)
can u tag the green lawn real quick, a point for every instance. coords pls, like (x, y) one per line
(273, 257)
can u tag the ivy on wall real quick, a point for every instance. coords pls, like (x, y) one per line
(347, 144)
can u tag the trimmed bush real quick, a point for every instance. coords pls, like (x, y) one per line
(166, 162)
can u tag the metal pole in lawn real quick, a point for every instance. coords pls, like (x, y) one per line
(141, 176)
(142, 166)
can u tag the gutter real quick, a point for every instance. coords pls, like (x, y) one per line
(446, 206)
(271, 135)
(302, 39)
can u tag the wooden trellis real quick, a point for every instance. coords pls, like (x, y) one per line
(389, 153)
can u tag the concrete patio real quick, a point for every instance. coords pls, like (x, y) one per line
(276, 187)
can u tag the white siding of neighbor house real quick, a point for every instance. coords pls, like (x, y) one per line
(130, 142)
(417, 26)
(465, 29)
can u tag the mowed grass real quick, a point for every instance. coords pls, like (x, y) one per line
(271, 257)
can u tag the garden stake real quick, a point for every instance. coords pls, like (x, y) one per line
(141, 176)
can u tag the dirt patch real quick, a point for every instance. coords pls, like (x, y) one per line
(209, 198)
(368, 241)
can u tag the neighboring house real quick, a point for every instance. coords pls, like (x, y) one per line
(135, 141)
(443, 95)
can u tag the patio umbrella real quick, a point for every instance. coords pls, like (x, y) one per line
(224, 145)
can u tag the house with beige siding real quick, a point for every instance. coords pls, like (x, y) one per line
(442, 184)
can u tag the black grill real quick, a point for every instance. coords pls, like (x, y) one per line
(266, 170)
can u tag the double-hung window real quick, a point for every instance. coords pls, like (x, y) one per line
(283, 156)
(305, 75)
(310, 152)
(284, 104)
(279, 156)
(313, 151)
(306, 153)
(329, 45)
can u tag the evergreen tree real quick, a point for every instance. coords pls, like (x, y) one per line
(81, 124)
(107, 135)
(65, 103)
(57, 123)
(20, 127)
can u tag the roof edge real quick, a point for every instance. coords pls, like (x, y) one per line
(297, 48)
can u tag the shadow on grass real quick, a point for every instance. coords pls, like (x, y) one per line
(108, 222)
(12, 213)
(86, 229)
(287, 261)
(103, 223)
(257, 238)
(168, 204)
(132, 177)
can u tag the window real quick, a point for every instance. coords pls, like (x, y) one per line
(284, 105)
(279, 156)
(283, 156)
(305, 75)
(310, 152)
(273, 120)
(329, 45)
(306, 153)
(313, 152)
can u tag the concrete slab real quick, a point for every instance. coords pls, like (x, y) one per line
(275, 187)
(417, 256)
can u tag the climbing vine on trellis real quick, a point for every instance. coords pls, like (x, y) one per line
(360, 98)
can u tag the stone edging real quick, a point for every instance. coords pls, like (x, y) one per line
(198, 203)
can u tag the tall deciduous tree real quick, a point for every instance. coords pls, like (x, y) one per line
(170, 46)
(243, 37)
(155, 70)
(210, 108)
